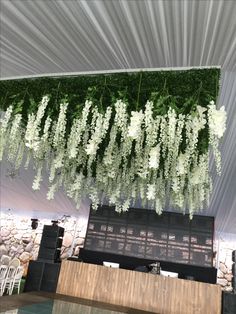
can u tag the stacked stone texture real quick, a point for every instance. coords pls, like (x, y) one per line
(17, 239)
(224, 273)
(224, 277)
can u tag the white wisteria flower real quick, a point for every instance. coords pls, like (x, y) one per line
(37, 179)
(5, 120)
(195, 177)
(3, 129)
(181, 165)
(217, 126)
(126, 205)
(14, 137)
(91, 148)
(32, 138)
(158, 206)
(51, 192)
(121, 116)
(136, 121)
(154, 157)
(118, 156)
(217, 120)
(97, 136)
(60, 128)
(151, 192)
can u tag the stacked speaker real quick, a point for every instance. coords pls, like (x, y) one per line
(234, 272)
(51, 242)
(43, 274)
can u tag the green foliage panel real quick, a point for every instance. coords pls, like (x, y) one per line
(182, 90)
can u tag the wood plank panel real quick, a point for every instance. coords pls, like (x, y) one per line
(138, 290)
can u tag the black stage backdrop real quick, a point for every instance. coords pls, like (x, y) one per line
(142, 233)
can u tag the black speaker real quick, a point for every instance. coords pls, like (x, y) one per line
(34, 276)
(228, 303)
(52, 231)
(234, 285)
(48, 254)
(50, 277)
(234, 269)
(234, 256)
(51, 242)
(234, 273)
(42, 276)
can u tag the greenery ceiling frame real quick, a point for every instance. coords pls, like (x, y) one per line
(137, 85)
(170, 94)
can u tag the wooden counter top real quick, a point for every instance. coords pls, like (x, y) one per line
(138, 290)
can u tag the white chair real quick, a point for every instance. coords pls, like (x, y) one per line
(15, 262)
(5, 260)
(9, 278)
(3, 272)
(15, 283)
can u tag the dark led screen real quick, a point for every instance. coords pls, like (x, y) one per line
(142, 233)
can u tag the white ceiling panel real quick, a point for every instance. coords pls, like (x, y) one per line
(51, 36)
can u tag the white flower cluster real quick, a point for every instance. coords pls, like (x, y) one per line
(217, 126)
(60, 126)
(121, 117)
(117, 156)
(3, 129)
(154, 157)
(78, 127)
(136, 120)
(14, 138)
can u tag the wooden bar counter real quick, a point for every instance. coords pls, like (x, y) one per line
(138, 290)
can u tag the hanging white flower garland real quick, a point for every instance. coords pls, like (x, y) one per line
(122, 159)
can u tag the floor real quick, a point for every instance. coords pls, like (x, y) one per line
(51, 303)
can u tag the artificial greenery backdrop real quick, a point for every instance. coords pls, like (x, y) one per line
(118, 136)
(179, 89)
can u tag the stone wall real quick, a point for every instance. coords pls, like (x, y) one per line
(225, 245)
(17, 239)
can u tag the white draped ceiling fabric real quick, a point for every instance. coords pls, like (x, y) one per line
(40, 37)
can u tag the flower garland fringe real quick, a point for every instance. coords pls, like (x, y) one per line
(120, 157)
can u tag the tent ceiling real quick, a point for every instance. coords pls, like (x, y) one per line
(42, 37)
(64, 36)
